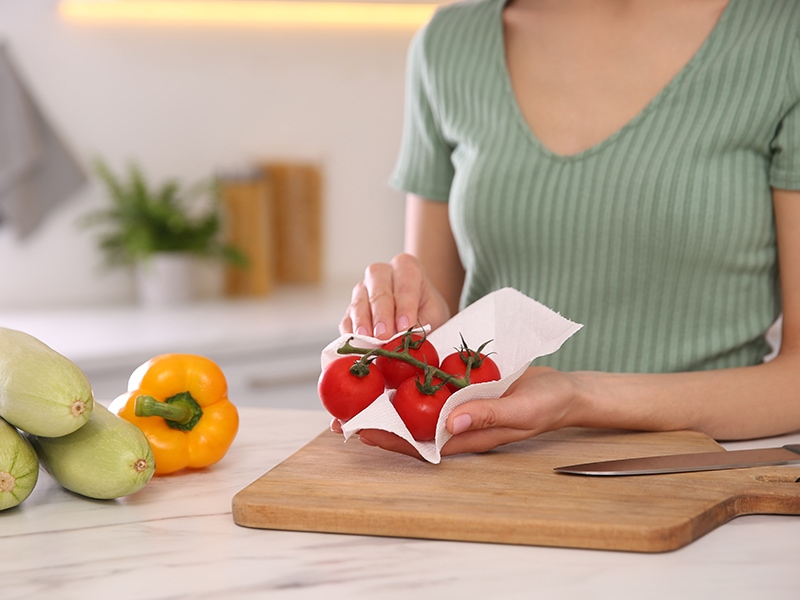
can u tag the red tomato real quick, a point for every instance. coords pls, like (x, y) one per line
(483, 369)
(396, 370)
(419, 411)
(345, 393)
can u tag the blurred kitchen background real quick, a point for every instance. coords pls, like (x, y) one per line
(186, 101)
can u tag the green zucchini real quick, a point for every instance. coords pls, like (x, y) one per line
(106, 458)
(19, 467)
(41, 391)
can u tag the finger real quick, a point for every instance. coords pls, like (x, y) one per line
(358, 318)
(379, 285)
(482, 440)
(346, 325)
(388, 441)
(336, 426)
(470, 442)
(409, 282)
(503, 415)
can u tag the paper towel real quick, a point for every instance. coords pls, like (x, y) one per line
(520, 329)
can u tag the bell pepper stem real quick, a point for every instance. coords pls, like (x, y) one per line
(180, 411)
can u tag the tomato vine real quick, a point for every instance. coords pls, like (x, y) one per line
(472, 358)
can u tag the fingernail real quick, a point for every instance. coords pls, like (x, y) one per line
(362, 331)
(461, 423)
(380, 329)
(402, 324)
(365, 441)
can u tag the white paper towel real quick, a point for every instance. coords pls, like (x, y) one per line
(520, 329)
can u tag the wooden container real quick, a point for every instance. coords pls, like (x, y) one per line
(297, 196)
(248, 200)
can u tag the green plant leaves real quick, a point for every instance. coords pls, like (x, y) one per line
(143, 219)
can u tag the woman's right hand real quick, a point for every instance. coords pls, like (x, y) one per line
(394, 297)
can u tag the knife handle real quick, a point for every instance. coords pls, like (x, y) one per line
(793, 448)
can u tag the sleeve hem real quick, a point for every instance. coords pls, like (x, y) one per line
(435, 193)
(786, 182)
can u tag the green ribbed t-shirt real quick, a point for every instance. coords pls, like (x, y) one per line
(660, 239)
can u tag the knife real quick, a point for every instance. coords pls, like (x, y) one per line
(685, 463)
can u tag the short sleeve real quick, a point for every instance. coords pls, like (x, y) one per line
(424, 165)
(785, 168)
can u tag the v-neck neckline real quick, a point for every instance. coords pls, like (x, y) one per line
(634, 121)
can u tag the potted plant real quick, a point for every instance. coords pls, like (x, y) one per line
(160, 231)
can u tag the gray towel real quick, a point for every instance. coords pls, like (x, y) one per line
(37, 172)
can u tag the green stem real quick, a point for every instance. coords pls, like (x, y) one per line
(459, 382)
(180, 411)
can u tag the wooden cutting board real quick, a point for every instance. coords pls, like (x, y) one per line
(512, 495)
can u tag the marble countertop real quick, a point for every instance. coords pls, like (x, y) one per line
(176, 539)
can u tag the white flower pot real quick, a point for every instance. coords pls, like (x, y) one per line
(166, 279)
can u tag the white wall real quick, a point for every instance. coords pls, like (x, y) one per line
(188, 101)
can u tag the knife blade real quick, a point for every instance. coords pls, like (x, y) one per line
(685, 463)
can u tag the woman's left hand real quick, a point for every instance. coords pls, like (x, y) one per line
(541, 400)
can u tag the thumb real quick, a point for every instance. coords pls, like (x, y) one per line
(506, 412)
(478, 414)
(483, 426)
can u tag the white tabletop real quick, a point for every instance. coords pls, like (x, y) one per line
(176, 539)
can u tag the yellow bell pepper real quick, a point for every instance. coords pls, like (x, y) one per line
(180, 402)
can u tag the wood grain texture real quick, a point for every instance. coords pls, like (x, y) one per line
(512, 495)
(250, 218)
(297, 190)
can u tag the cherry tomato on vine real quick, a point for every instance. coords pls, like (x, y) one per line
(347, 386)
(483, 368)
(420, 410)
(395, 370)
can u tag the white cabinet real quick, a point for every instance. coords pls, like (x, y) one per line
(276, 379)
(269, 378)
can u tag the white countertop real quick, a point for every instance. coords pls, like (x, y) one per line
(268, 347)
(176, 539)
(107, 336)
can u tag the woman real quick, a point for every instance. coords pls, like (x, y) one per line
(634, 165)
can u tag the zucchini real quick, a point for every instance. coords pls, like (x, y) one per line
(41, 391)
(108, 457)
(19, 467)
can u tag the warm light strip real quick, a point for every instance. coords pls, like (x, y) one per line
(249, 12)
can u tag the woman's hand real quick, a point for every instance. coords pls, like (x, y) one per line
(394, 297)
(541, 400)
(419, 287)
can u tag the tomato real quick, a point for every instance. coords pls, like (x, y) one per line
(396, 370)
(419, 410)
(346, 387)
(483, 368)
